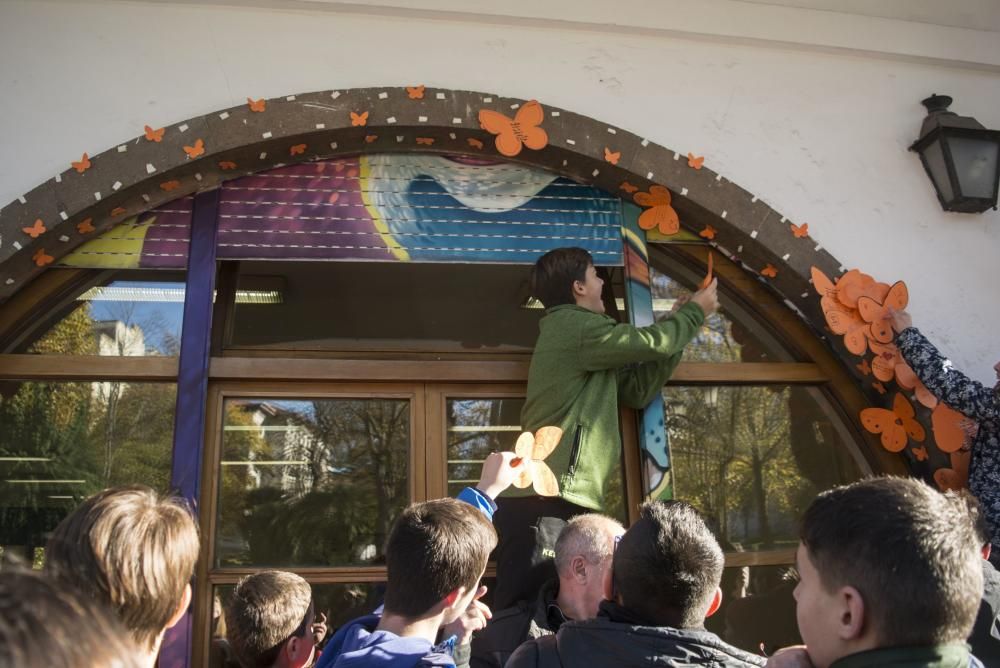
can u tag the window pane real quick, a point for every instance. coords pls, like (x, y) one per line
(757, 608)
(61, 442)
(729, 335)
(753, 458)
(477, 427)
(311, 482)
(123, 316)
(339, 602)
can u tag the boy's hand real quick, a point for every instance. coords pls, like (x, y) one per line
(790, 657)
(473, 619)
(708, 299)
(498, 473)
(900, 319)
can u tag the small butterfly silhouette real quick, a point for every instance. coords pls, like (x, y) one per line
(196, 150)
(708, 232)
(659, 214)
(475, 143)
(226, 165)
(154, 135)
(85, 226)
(879, 387)
(426, 141)
(770, 271)
(628, 187)
(612, 157)
(359, 119)
(920, 453)
(297, 149)
(170, 185)
(370, 138)
(81, 165)
(896, 426)
(864, 367)
(117, 211)
(532, 449)
(36, 230)
(513, 134)
(256, 105)
(800, 231)
(41, 258)
(415, 92)
(695, 161)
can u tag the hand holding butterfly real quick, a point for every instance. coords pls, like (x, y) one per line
(900, 319)
(708, 298)
(499, 472)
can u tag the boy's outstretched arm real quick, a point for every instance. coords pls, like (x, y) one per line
(498, 473)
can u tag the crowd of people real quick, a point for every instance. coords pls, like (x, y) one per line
(890, 572)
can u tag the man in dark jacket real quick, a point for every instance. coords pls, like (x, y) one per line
(583, 555)
(663, 584)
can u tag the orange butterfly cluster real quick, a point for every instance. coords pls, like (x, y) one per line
(659, 213)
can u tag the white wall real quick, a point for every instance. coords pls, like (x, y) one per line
(810, 110)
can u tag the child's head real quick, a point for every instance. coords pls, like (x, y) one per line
(133, 551)
(269, 620)
(567, 276)
(436, 553)
(43, 622)
(886, 562)
(668, 566)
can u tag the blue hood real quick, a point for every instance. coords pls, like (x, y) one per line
(360, 643)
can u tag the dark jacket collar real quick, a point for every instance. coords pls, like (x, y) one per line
(954, 655)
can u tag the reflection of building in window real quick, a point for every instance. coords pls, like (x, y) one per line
(289, 444)
(116, 339)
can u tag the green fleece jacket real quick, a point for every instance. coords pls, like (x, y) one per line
(583, 364)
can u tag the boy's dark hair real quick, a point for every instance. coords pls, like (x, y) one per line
(668, 565)
(977, 516)
(434, 548)
(45, 623)
(265, 610)
(133, 551)
(554, 273)
(911, 552)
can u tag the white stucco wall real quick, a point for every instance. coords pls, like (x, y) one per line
(810, 110)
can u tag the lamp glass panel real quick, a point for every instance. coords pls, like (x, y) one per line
(934, 161)
(976, 162)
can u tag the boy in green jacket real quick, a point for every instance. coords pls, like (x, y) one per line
(584, 363)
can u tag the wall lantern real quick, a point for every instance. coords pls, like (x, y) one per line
(961, 157)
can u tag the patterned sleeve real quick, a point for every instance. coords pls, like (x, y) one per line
(948, 384)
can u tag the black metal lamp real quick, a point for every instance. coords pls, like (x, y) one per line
(961, 157)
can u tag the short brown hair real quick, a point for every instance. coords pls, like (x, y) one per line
(44, 623)
(555, 272)
(131, 549)
(434, 548)
(911, 552)
(668, 565)
(265, 610)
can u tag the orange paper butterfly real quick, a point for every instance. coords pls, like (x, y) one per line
(415, 92)
(800, 231)
(117, 211)
(36, 230)
(659, 214)
(370, 138)
(41, 258)
(864, 367)
(85, 226)
(532, 449)
(956, 477)
(426, 141)
(895, 426)
(908, 380)
(82, 165)
(770, 271)
(359, 119)
(695, 161)
(154, 135)
(946, 423)
(513, 134)
(708, 232)
(879, 387)
(614, 157)
(708, 276)
(170, 185)
(854, 284)
(297, 149)
(886, 361)
(628, 187)
(196, 150)
(256, 105)
(876, 312)
(920, 453)
(227, 165)
(475, 143)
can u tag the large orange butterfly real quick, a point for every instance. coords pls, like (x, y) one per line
(513, 134)
(895, 426)
(854, 284)
(659, 214)
(946, 423)
(847, 323)
(886, 361)
(532, 449)
(876, 311)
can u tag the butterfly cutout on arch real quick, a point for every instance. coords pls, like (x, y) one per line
(895, 426)
(876, 311)
(522, 131)
(532, 449)
(659, 213)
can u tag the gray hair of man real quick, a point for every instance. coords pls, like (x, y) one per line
(589, 536)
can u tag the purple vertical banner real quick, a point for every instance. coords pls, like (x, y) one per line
(192, 391)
